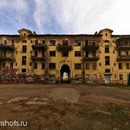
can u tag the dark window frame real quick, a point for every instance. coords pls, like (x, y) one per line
(94, 66)
(78, 66)
(107, 70)
(43, 42)
(43, 66)
(23, 70)
(107, 49)
(43, 53)
(52, 42)
(120, 76)
(52, 53)
(11, 65)
(77, 42)
(52, 66)
(24, 49)
(35, 53)
(77, 53)
(127, 53)
(127, 66)
(35, 65)
(24, 58)
(5, 42)
(120, 66)
(107, 60)
(36, 41)
(87, 66)
(12, 42)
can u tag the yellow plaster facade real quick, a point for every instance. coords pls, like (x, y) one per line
(92, 57)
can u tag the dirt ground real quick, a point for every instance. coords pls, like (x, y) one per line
(65, 107)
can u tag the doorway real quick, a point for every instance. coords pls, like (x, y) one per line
(107, 79)
(65, 74)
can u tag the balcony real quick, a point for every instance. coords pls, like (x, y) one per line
(7, 58)
(7, 47)
(39, 46)
(90, 47)
(64, 47)
(94, 58)
(123, 43)
(123, 47)
(123, 57)
(43, 58)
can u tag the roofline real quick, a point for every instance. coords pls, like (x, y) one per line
(15, 35)
(38, 35)
(66, 35)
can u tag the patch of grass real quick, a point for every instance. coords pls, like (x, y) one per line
(117, 112)
(121, 114)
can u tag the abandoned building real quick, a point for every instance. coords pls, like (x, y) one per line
(101, 56)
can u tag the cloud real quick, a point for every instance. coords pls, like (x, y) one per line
(19, 11)
(76, 16)
(62, 16)
(85, 16)
(3, 3)
(13, 15)
(41, 14)
(21, 5)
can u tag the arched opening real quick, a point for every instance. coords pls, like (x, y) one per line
(65, 74)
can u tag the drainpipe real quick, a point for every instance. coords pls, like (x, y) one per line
(82, 62)
(47, 64)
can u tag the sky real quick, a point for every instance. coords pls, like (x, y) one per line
(64, 16)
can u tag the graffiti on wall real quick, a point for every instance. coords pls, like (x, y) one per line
(8, 75)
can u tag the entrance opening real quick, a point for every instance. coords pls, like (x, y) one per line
(65, 74)
(108, 79)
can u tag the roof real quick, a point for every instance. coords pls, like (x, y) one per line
(41, 35)
(24, 29)
(106, 29)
